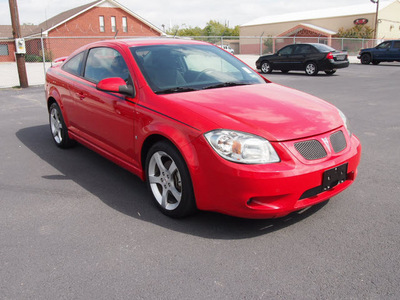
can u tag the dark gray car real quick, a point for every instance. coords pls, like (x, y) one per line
(310, 58)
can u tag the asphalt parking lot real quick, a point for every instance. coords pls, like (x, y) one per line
(75, 226)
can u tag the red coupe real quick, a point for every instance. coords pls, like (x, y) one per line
(203, 129)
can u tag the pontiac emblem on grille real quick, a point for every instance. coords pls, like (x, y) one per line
(326, 142)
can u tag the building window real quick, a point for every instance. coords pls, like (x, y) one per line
(4, 50)
(101, 22)
(124, 24)
(113, 24)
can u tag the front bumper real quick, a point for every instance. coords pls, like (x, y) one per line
(269, 190)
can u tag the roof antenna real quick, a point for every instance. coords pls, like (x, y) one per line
(116, 33)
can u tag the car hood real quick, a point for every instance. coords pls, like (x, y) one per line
(367, 49)
(270, 110)
(266, 56)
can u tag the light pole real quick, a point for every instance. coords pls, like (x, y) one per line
(376, 16)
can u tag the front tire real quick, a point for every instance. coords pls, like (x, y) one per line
(58, 129)
(169, 182)
(266, 67)
(365, 59)
(311, 69)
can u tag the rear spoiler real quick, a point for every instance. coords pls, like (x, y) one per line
(59, 61)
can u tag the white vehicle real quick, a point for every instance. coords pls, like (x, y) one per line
(227, 48)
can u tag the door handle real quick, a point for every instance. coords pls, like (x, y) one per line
(81, 95)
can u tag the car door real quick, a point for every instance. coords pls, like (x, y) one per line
(381, 52)
(394, 51)
(283, 57)
(105, 119)
(300, 55)
(67, 87)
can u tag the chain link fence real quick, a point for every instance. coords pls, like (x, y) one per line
(262, 45)
(50, 48)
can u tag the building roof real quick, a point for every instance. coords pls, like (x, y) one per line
(6, 31)
(311, 27)
(318, 28)
(54, 22)
(65, 16)
(339, 11)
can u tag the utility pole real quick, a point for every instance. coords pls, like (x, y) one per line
(376, 17)
(19, 57)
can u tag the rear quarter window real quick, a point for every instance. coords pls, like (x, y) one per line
(74, 65)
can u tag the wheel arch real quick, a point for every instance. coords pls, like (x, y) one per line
(267, 61)
(53, 97)
(310, 61)
(50, 101)
(177, 140)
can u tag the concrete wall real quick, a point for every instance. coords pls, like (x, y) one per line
(389, 24)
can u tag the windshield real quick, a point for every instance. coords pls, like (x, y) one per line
(181, 68)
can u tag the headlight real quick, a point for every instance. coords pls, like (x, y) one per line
(242, 147)
(345, 121)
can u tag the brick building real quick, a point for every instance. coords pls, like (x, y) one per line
(65, 32)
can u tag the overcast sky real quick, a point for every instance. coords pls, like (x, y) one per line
(176, 12)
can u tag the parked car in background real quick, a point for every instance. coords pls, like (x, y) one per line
(311, 58)
(227, 48)
(203, 129)
(386, 51)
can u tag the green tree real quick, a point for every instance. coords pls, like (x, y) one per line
(357, 31)
(212, 28)
(185, 31)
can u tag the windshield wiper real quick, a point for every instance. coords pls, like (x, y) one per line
(224, 84)
(179, 89)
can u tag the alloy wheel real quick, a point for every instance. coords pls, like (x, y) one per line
(56, 125)
(311, 69)
(165, 180)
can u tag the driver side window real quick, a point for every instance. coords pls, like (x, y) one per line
(286, 51)
(104, 63)
(384, 45)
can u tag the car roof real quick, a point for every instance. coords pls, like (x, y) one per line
(153, 41)
(137, 42)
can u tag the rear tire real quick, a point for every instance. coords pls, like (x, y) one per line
(169, 182)
(311, 69)
(58, 129)
(330, 72)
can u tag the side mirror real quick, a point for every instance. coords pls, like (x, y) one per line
(116, 85)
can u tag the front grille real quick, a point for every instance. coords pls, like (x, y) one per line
(338, 141)
(311, 149)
